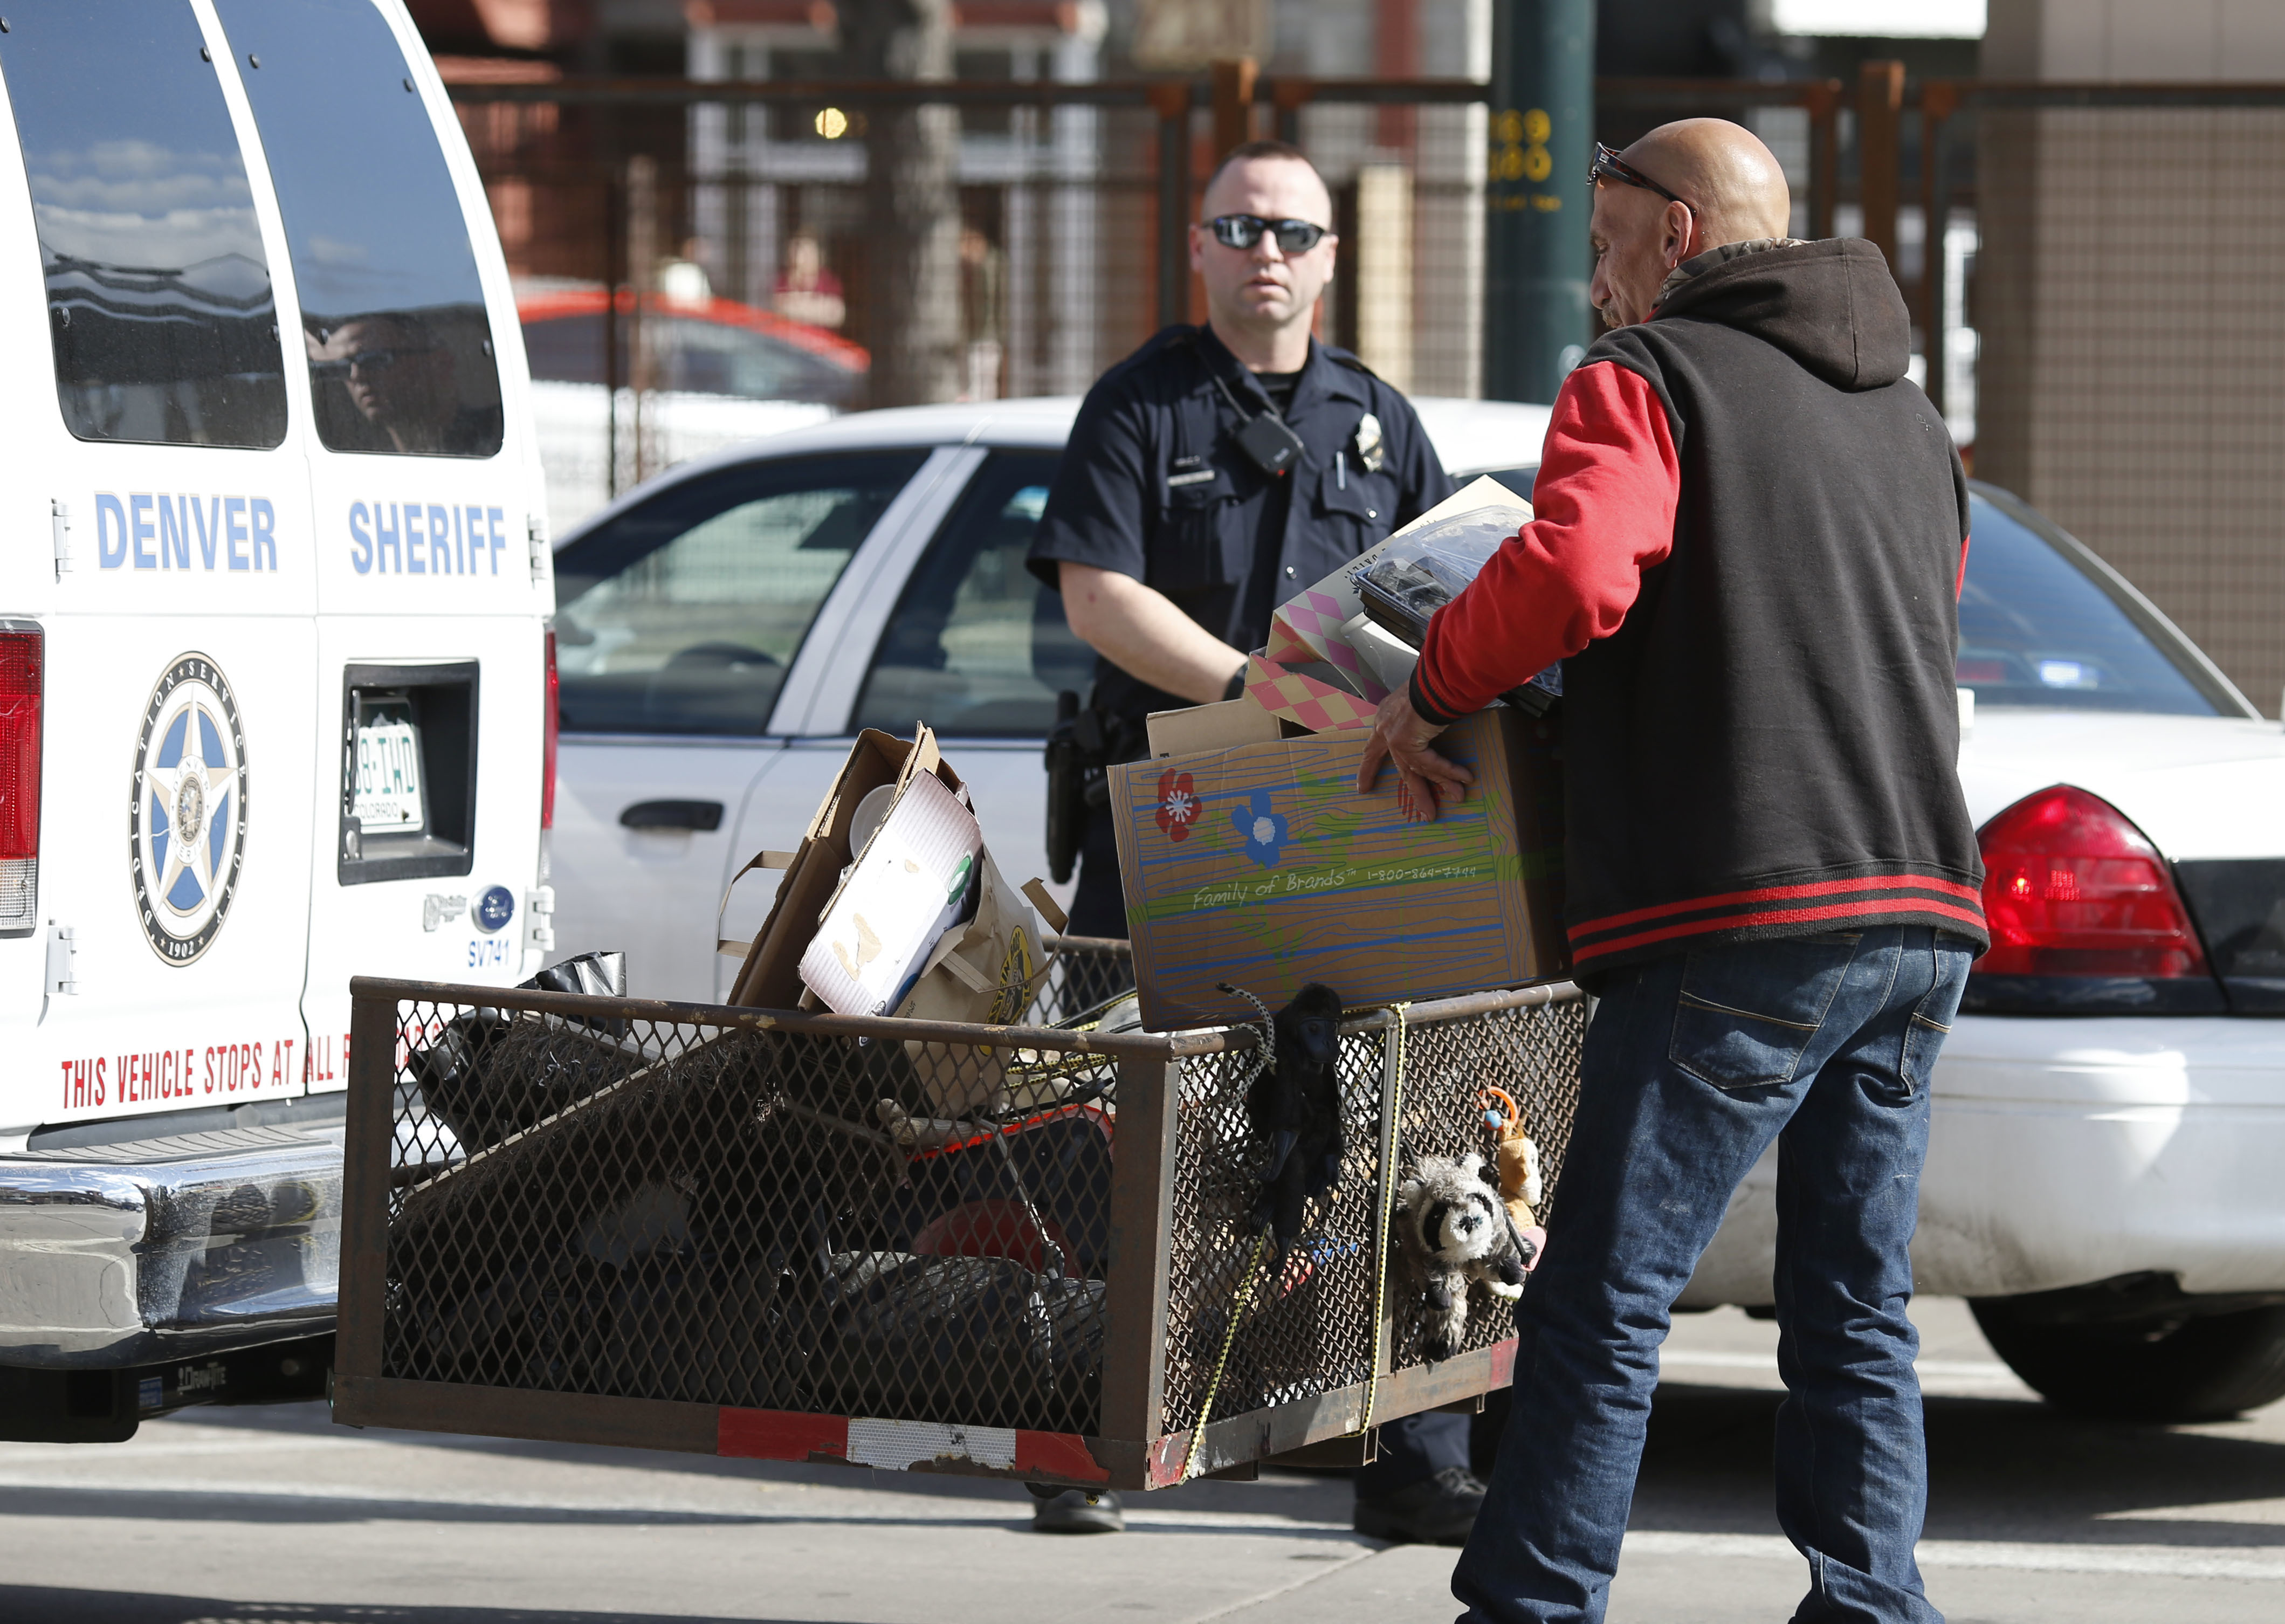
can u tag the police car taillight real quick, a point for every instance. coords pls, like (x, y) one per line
(2071, 888)
(547, 757)
(22, 668)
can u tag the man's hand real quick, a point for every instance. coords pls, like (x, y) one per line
(1425, 780)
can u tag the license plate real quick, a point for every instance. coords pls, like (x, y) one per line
(389, 799)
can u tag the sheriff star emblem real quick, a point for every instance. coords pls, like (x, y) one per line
(186, 822)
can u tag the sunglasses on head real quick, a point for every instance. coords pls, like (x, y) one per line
(1608, 165)
(1243, 230)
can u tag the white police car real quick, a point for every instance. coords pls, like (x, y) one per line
(274, 682)
(728, 627)
(2110, 1110)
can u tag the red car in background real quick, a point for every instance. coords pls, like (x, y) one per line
(698, 347)
(721, 373)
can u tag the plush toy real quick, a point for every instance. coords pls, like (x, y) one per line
(1450, 1232)
(1295, 1103)
(1519, 1161)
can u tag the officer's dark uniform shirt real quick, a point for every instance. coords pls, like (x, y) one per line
(1154, 485)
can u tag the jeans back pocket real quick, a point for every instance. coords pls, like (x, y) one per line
(1746, 1011)
(1932, 1017)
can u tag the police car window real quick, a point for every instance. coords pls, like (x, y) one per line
(2035, 628)
(159, 309)
(681, 615)
(977, 648)
(393, 323)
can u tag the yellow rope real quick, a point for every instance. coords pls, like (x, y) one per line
(1387, 1210)
(1221, 1361)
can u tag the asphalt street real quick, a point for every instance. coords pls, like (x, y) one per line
(277, 1516)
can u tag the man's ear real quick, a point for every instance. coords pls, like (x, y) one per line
(1198, 246)
(1675, 225)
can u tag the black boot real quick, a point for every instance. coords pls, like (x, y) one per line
(1075, 1511)
(1439, 1511)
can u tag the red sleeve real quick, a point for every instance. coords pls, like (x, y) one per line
(1960, 585)
(1604, 504)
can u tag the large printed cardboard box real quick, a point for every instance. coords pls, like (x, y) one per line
(1260, 866)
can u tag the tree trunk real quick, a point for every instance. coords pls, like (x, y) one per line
(912, 201)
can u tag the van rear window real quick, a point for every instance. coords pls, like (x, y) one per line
(392, 314)
(158, 299)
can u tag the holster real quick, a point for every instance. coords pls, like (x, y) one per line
(1082, 748)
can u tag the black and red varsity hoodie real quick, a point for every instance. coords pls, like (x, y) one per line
(1750, 535)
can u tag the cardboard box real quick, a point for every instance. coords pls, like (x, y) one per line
(771, 976)
(1260, 865)
(984, 969)
(1209, 728)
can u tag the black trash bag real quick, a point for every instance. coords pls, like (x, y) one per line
(491, 1073)
(598, 975)
(488, 1076)
(978, 1341)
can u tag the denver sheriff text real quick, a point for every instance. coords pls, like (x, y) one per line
(426, 538)
(163, 530)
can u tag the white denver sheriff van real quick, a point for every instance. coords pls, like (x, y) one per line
(276, 698)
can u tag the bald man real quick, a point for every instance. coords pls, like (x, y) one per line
(1749, 537)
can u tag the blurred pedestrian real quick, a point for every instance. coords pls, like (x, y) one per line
(983, 279)
(1751, 533)
(805, 290)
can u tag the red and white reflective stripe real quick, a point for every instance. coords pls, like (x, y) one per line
(901, 1446)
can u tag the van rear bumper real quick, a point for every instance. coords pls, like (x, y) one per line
(159, 1249)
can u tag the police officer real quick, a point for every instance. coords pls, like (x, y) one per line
(1211, 476)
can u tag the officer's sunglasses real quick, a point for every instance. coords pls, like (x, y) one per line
(1608, 165)
(1243, 230)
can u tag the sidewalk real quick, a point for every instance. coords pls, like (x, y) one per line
(276, 1514)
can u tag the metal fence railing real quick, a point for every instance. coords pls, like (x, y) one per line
(2086, 266)
(1022, 1250)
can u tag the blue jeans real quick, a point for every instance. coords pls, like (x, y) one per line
(1694, 1064)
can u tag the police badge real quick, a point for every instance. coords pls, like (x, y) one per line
(1370, 450)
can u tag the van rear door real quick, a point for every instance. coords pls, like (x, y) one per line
(140, 322)
(431, 597)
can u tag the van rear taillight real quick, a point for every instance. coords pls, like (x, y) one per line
(22, 667)
(547, 755)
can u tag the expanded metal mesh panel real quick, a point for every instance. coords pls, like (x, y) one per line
(731, 1209)
(1308, 1317)
(781, 1220)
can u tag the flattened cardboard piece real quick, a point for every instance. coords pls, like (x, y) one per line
(904, 893)
(1209, 728)
(1297, 697)
(1314, 617)
(1260, 866)
(987, 971)
(770, 979)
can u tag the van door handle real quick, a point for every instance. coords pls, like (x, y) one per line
(704, 816)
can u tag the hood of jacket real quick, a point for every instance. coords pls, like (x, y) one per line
(1832, 306)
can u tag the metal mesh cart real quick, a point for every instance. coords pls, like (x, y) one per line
(1022, 1251)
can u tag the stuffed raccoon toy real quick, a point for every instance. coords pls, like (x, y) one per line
(1450, 1231)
